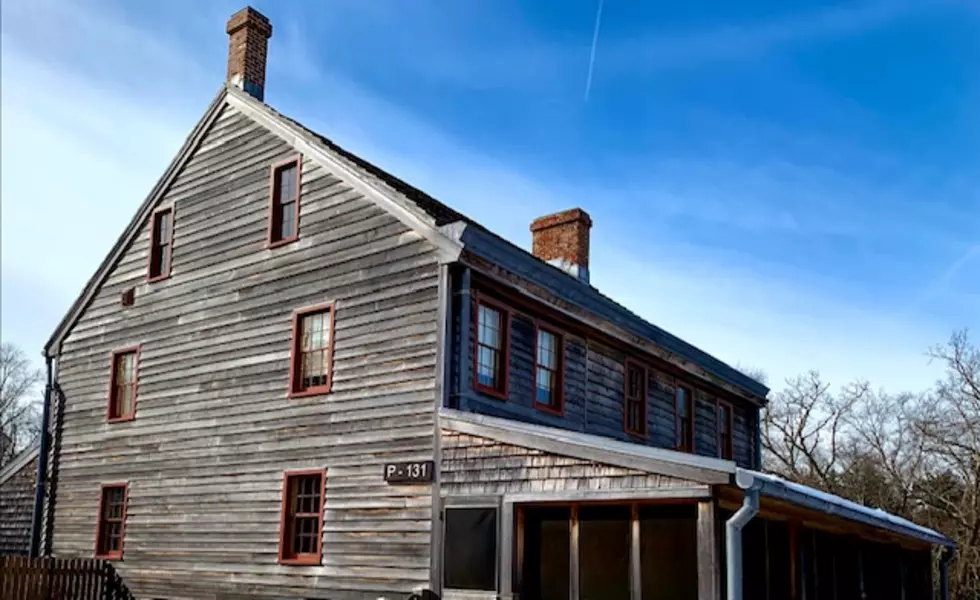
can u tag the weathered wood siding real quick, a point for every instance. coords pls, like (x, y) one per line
(16, 510)
(594, 390)
(473, 465)
(214, 429)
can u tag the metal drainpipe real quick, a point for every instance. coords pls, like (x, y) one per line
(944, 559)
(733, 532)
(41, 482)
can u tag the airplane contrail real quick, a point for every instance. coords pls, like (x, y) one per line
(595, 42)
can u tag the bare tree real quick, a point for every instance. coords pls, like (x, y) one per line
(19, 401)
(950, 429)
(916, 455)
(804, 430)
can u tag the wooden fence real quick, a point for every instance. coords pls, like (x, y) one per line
(60, 579)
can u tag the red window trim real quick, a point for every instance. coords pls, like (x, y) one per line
(559, 369)
(98, 523)
(730, 448)
(691, 405)
(303, 559)
(295, 354)
(110, 398)
(150, 278)
(646, 393)
(273, 191)
(503, 390)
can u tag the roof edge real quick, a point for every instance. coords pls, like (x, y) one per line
(586, 446)
(52, 347)
(20, 461)
(831, 504)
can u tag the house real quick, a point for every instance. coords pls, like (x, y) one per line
(296, 375)
(17, 502)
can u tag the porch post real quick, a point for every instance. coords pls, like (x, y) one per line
(506, 550)
(573, 554)
(709, 565)
(636, 584)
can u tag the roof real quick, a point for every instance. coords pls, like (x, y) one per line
(701, 469)
(475, 237)
(776, 487)
(25, 458)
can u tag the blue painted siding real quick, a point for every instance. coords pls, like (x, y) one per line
(593, 391)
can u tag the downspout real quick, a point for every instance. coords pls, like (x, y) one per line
(41, 482)
(945, 557)
(733, 532)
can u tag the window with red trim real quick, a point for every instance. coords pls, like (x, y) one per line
(635, 420)
(161, 244)
(312, 363)
(302, 517)
(684, 415)
(725, 430)
(123, 378)
(284, 205)
(112, 521)
(491, 348)
(548, 369)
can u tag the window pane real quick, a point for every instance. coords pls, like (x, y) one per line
(287, 183)
(470, 555)
(681, 402)
(487, 366)
(489, 326)
(287, 220)
(547, 349)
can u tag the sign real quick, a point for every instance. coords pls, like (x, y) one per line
(410, 472)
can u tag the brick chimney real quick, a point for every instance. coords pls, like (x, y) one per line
(562, 239)
(248, 40)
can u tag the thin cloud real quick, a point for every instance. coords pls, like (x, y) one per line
(595, 43)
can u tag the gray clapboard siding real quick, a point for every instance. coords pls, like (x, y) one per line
(214, 429)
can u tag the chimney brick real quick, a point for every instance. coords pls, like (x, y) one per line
(562, 239)
(248, 40)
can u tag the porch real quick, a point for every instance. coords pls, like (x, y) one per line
(539, 514)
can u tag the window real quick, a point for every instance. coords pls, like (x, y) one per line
(161, 244)
(301, 531)
(635, 418)
(311, 371)
(492, 325)
(725, 430)
(470, 550)
(112, 521)
(123, 376)
(284, 203)
(548, 392)
(684, 413)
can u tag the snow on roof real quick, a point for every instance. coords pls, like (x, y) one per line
(775, 486)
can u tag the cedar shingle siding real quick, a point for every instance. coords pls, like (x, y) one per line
(16, 508)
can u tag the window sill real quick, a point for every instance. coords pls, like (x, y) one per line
(322, 390)
(551, 410)
(283, 242)
(489, 391)
(637, 435)
(157, 278)
(301, 561)
(121, 419)
(111, 556)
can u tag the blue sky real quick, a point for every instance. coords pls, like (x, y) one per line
(790, 186)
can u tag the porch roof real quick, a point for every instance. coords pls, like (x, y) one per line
(776, 487)
(701, 469)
